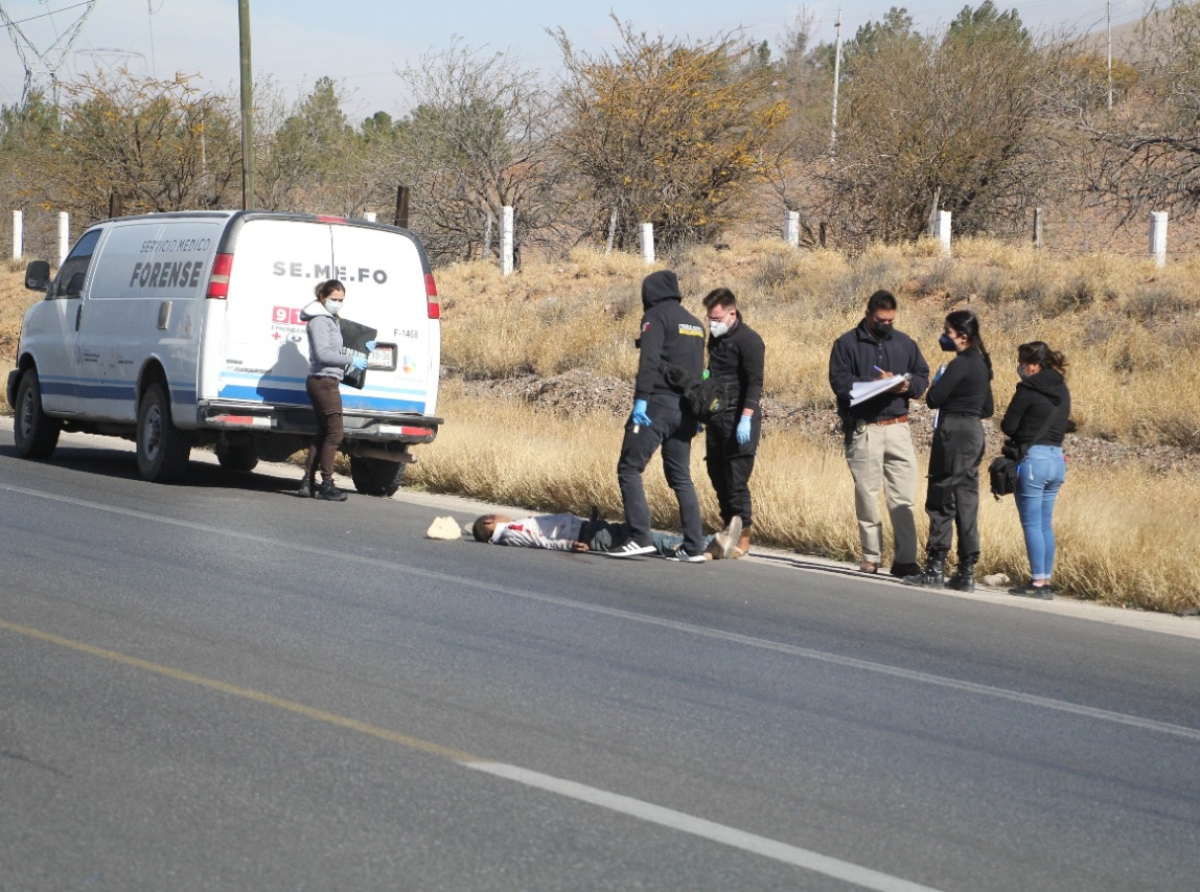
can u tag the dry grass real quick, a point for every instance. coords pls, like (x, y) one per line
(1124, 539)
(1125, 326)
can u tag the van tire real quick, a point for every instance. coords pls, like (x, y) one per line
(34, 432)
(241, 457)
(375, 476)
(163, 450)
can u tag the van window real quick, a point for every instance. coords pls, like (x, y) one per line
(71, 275)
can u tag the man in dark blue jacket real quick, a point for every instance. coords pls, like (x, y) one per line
(661, 417)
(878, 444)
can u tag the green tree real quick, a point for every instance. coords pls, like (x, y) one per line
(667, 131)
(163, 144)
(959, 123)
(312, 159)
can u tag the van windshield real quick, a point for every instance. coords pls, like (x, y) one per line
(71, 275)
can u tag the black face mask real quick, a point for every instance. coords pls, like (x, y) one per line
(882, 330)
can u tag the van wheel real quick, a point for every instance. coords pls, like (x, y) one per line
(236, 458)
(376, 477)
(35, 432)
(162, 449)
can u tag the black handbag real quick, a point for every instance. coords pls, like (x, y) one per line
(1002, 472)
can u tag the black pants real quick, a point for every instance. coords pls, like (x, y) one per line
(729, 471)
(327, 405)
(673, 431)
(952, 501)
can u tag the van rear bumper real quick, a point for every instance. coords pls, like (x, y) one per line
(377, 427)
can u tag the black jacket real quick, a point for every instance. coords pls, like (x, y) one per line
(670, 333)
(737, 359)
(1037, 398)
(965, 388)
(854, 356)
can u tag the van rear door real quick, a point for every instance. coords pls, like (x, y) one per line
(384, 272)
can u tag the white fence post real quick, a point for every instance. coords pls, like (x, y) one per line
(18, 236)
(506, 239)
(64, 236)
(369, 216)
(646, 236)
(942, 230)
(1158, 237)
(791, 228)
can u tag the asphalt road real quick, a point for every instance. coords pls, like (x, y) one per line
(217, 686)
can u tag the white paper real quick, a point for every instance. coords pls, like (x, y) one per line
(864, 390)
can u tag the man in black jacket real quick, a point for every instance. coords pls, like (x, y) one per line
(736, 357)
(660, 417)
(878, 444)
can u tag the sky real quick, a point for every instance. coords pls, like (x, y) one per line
(360, 45)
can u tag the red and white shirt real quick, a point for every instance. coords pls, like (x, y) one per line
(555, 531)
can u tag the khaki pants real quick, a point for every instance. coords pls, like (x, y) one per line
(882, 457)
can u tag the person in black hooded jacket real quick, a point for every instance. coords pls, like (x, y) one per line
(1036, 421)
(661, 417)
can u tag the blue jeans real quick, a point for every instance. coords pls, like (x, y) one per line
(1039, 477)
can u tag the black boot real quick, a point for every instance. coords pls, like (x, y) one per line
(933, 576)
(306, 490)
(328, 492)
(963, 579)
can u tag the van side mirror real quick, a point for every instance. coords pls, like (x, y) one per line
(37, 275)
(75, 284)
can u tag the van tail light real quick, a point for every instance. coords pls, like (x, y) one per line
(435, 309)
(218, 282)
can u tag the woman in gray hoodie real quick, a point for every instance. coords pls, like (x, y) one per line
(328, 360)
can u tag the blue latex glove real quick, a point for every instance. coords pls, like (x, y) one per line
(639, 417)
(358, 361)
(370, 347)
(743, 430)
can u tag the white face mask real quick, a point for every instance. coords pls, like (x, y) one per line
(333, 306)
(717, 328)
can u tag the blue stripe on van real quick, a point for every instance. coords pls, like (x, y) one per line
(351, 399)
(99, 389)
(256, 380)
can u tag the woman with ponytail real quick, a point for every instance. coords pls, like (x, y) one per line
(1037, 420)
(962, 396)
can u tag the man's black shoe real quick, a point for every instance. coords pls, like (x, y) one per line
(306, 489)
(902, 570)
(329, 493)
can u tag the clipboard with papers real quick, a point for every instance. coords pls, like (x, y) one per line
(861, 391)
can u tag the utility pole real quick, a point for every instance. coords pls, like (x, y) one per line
(837, 76)
(247, 108)
(1108, 15)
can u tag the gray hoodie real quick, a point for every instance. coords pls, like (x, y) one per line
(327, 356)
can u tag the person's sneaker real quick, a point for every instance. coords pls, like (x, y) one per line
(1045, 592)
(328, 492)
(629, 549)
(306, 489)
(723, 543)
(682, 555)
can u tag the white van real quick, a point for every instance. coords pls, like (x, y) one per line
(183, 329)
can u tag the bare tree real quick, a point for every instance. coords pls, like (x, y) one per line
(476, 142)
(1146, 153)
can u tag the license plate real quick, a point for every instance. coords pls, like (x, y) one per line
(382, 357)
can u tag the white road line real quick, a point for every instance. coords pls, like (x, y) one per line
(644, 619)
(720, 833)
